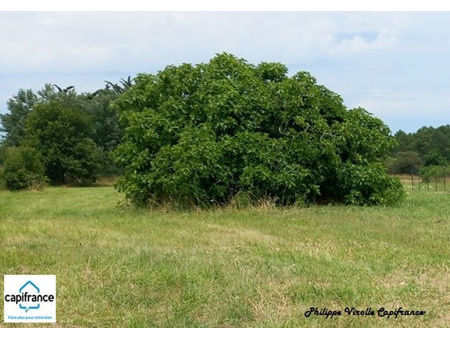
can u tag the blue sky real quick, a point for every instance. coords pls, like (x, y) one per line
(394, 64)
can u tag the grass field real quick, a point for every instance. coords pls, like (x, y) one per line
(120, 266)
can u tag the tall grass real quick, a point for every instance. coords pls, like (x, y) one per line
(120, 266)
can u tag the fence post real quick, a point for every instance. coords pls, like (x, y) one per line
(445, 178)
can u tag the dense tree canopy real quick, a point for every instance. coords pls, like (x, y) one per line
(405, 162)
(105, 123)
(13, 124)
(74, 134)
(432, 144)
(60, 131)
(20, 106)
(200, 135)
(428, 146)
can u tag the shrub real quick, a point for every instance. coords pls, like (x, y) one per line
(241, 200)
(369, 185)
(23, 169)
(435, 172)
(201, 134)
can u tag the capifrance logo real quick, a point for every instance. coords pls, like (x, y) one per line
(29, 298)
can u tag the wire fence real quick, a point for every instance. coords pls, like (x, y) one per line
(434, 180)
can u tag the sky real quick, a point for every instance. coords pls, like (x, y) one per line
(394, 64)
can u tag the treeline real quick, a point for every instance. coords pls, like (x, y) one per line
(217, 133)
(425, 152)
(210, 134)
(59, 136)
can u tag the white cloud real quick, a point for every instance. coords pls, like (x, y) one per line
(394, 64)
(360, 43)
(80, 41)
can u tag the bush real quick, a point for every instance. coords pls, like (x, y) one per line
(23, 169)
(241, 200)
(369, 185)
(200, 135)
(433, 172)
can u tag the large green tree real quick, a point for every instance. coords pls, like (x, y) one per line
(13, 123)
(200, 135)
(20, 106)
(103, 127)
(405, 162)
(62, 132)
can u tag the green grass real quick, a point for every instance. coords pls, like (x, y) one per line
(121, 266)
